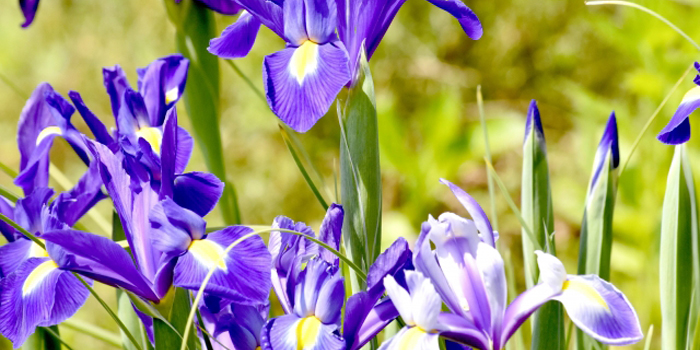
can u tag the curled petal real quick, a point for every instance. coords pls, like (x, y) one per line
(29, 8)
(466, 17)
(236, 40)
(197, 191)
(677, 130)
(480, 219)
(301, 83)
(600, 310)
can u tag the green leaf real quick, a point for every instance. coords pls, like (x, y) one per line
(300, 165)
(360, 175)
(536, 206)
(132, 322)
(195, 27)
(43, 340)
(168, 330)
(678, 225)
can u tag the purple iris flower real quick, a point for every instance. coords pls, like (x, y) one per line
(677, 130)
(312, 298)
(366, 22)
(302, 81)
(36, 290)
(29, 8)
(466, 272)
(45, 116)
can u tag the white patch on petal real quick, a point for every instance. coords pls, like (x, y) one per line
(48, 131)
(304, 61)
(152, 135)
(552, 271)
(36, 251)
(208, 253)
(692, 95)
(172, 95)
(37, 275)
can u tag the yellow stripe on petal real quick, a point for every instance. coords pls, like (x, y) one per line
(304, 61)
(152, 135)
(48, 131)
(307, 332)
(37, 275)
(692, 95)
(585, 291)
(411, 338)
(172, 95)
(36, 251)
(208, 253)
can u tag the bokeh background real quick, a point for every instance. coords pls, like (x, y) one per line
(579, 62)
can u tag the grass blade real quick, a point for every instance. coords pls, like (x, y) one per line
(487, 149)
(300, 165)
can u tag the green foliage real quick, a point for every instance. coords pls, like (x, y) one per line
(360, 176)
(195, 27)
(679, 224)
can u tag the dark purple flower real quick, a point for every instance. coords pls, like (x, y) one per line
(677, 130)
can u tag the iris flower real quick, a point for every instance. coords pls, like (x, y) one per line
(45, 116)
(35, 287)
(302, 81)
(467, 273)
(312, 297)
(677, 130)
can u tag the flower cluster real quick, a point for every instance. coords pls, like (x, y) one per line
(141, 166)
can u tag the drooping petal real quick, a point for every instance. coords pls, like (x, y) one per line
(224, 7)
(197, 191)
(330, 231)
(600, 310)
(100, 259)
(161, 84)
(301, 83)
(480, 219)
(38, 293)
(291, 332)
(99, 130)
(115, 83)
(466, 17)
(269, 13)
(677, 130)
(29, 8)
(236, 40)
(242, 275)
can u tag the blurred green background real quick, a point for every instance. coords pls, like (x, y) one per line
(579, 62)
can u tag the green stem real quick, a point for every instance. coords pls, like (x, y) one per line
(651, 119)
(93, 331)
(487, 149)
(512, 205)
(649, 11)
(304, 173)
(56, 336)
(111, 313)
(8, 194)
(247, 80)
